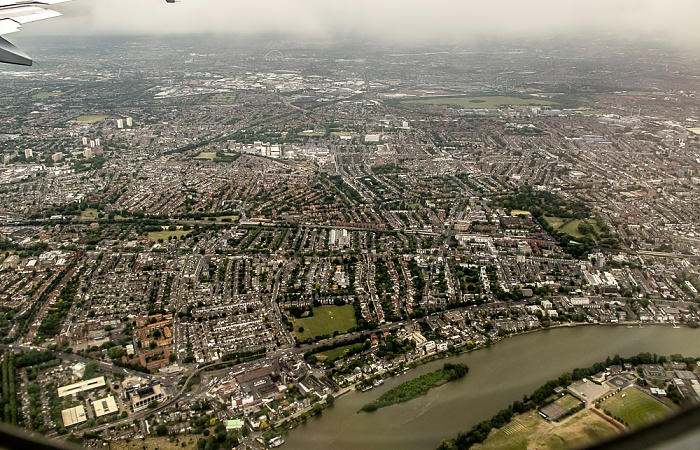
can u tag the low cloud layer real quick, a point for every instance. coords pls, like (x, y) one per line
(392, 21)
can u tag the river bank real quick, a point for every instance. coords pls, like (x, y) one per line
(499, 375)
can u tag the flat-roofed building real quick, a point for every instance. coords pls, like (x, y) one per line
(105, 406)
(12, 262)
(82, 386)
(73, 416)
(142, 396)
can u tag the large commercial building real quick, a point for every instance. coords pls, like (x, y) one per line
(142, 393)
(105, 406)
(141, 398)
(73, 416)
(82, 386)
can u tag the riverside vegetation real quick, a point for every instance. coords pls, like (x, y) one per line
(545, 394)
(418, 386)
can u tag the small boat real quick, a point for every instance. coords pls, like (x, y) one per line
(275, 442)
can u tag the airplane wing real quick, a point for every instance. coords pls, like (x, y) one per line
(14, 14)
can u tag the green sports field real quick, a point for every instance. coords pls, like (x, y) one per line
(88, 214)
(326, 320)
(45, 94)
(635, 408)
(89, 119)
(165, 234)
(526, 430)
(568, 402)
(570, 226)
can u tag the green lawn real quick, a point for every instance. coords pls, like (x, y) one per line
(45, 95)
(332, 355)
(570, 226)
(575, 431)
(326, 320)
(222, 98)
(555, 222)
(89, 213)
(568, 402)
(89, 119)
(635, 408)
(487, 102)
(206, 155)
(165, 234)
(343, 133)
(221, 218)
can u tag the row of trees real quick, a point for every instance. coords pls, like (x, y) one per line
(52, 322)
(35, 413)
(9, 390)
(26, 317)
(345, 188)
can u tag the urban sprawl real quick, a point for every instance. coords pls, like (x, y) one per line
(214, 244)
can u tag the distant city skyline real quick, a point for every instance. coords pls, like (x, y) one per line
(209, 239)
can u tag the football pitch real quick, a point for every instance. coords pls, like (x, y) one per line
(326, 320)
(635, 408)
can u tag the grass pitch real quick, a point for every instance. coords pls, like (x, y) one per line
(88, 214)
(326, 320)
(89, 119)
(222, 98)
(483, 102)
(568, 402)
(221, 218)
(45, 95)
(570, 226)
(165, 234)
(529, 430)
(155, 443)
(635, 408)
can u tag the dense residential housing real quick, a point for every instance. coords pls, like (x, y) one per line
(222, 251)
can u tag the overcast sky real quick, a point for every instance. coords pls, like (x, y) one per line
(395, 21)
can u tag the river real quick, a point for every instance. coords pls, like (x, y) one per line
(498, 376)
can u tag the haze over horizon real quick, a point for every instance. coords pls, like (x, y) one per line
(390, 21)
